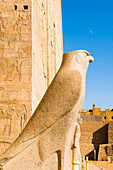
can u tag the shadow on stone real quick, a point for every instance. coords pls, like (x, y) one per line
(99, 137)
(59, 159)
(90, 155)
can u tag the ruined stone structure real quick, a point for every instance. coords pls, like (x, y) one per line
(30, 40)
(106, 115)
(97, 133)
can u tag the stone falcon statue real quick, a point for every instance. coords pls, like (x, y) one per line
(54, 120)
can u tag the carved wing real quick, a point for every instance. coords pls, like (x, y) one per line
(61, 96)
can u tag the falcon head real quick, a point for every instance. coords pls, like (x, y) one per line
(78, 59)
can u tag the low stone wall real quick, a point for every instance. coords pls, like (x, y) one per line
(93, 133)
(91, 118)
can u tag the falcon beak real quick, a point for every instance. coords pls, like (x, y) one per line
(91, 59)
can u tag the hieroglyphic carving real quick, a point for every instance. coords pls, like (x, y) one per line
(15, 69)
(9, 117)
(3, 22)
(10, 70)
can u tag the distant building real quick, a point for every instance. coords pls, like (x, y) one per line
(97, 133)
(106, 115)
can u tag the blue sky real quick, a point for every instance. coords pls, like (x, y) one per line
(88, 25)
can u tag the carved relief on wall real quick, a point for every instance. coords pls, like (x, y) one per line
(12, 118)
(15, 69)
(10, 69)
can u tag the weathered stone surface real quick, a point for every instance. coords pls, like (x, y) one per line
(110, 133)
(52, 127)
(103, 152)
(15, 70)
(93, 133)
(30, 40)
(47, 45)
(100, 135)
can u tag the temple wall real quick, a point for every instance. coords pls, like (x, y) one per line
(47, 45)
(30, 54)
(15, 69)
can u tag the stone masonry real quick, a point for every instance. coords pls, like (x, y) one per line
(93, 133)
(97, 133)
(47, 44)
(110, 133)
(30, 40)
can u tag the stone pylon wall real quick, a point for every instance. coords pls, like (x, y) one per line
(30, 40)
(47, 45)
(15, 68)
